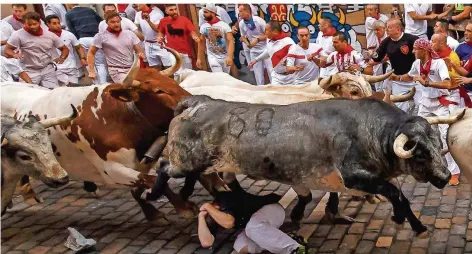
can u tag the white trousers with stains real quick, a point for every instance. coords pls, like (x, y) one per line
(262, 232)
(260, 66)
(438, 109)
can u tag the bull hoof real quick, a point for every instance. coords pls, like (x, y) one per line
(423, 235)
(38, 199)
(330, 217)
(398, 219)
(346, 218)
(189, 211)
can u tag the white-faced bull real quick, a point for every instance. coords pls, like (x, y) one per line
(26, 150)
(338, 145)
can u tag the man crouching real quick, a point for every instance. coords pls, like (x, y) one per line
(260, 216)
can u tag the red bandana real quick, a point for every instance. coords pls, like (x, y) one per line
(377, 16)
(117, 33)
(330, 32)
(17, 18)
(149, 10)
(425, 69)
(57, 33)
(347, 50)
(280, 36)
(39, 33)
(445, 53)
(214, 21)
(469, 43)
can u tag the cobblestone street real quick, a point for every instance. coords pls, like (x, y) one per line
(115, 221)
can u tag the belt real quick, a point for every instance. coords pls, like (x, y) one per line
(119, 67)
(150, 41)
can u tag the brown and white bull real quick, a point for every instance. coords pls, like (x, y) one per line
(115, 126)
(459, 141)
(26, 150)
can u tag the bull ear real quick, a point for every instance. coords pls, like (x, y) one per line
(124, 94)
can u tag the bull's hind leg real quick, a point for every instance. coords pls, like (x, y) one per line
(91, 188)
(304, 197)
(332, 209)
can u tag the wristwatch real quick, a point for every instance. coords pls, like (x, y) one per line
(426, 83)
(361, 69)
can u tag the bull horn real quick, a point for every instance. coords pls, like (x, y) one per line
(4, 141)
(59, 120)
(132, 73)
(375, 79)
(445, 120)
(292, 19)
(313, 15)
(327, 82)
(403, 97)
(444, 151)
(398, 147)
(178, 63)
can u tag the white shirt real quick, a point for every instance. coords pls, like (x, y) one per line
(438, 72)
(257, 32)
(452, 43)
(17, 25)
(310, 71)
(343, 61)
(130, 12)
(71, 42)
(416, 27)
(155, 16)
(326, 42)
(370, 32)
(9, 67)
(58, 10)
(216, 38)
(220, 12)
(118, 50)
(126, 24)
(6, 30)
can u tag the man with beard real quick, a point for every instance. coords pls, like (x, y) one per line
(118, 46)
(431, 72)
(68, 71)
(176, 30)
(219, 41)
(252, 35)
(126, 23)
(148, 20)
(37, 52)
(398, 46)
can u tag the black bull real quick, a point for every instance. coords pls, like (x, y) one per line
(337, 145)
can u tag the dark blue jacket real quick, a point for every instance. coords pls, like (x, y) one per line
(82, 22)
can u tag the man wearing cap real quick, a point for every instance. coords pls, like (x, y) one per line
(219, 41)
(220, 12)
(431, 72)
(118, 45)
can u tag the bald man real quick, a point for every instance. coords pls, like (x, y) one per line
(442, 27)
(439, 45)
(373, 15)
(398, 46)
(325, 40)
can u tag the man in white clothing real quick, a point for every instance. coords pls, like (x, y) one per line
(252, 35)
(325, 40)
(220, 12)
(118, 45)
(277, 50)
(9, 68)
(416, 18)
(57, 10)
(431, 72)
(148, 21)
(310, 71)
(126, 23)
(373, 15)
(219, 41)
(6, 30)
(380, 34)
(68, 71)
(16, 19)
(442, 27)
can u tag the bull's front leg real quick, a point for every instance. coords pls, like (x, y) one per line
(8, 189)
(401, 205)
(304, 197)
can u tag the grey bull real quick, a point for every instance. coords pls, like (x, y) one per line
(337, 145)
(26, 150)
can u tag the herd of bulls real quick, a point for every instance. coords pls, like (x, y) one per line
(297, 135)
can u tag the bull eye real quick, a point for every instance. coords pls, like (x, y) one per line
(23, 156)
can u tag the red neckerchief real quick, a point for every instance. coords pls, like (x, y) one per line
(57, 33)
(425, 69)
(377, 17)
(279, 36)
(347, 50)
(214, 20)
(117, 33)
(331, 31)
(39, 33)
(149, 10)
(445, 53)
(17, 18)
(469, 43)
